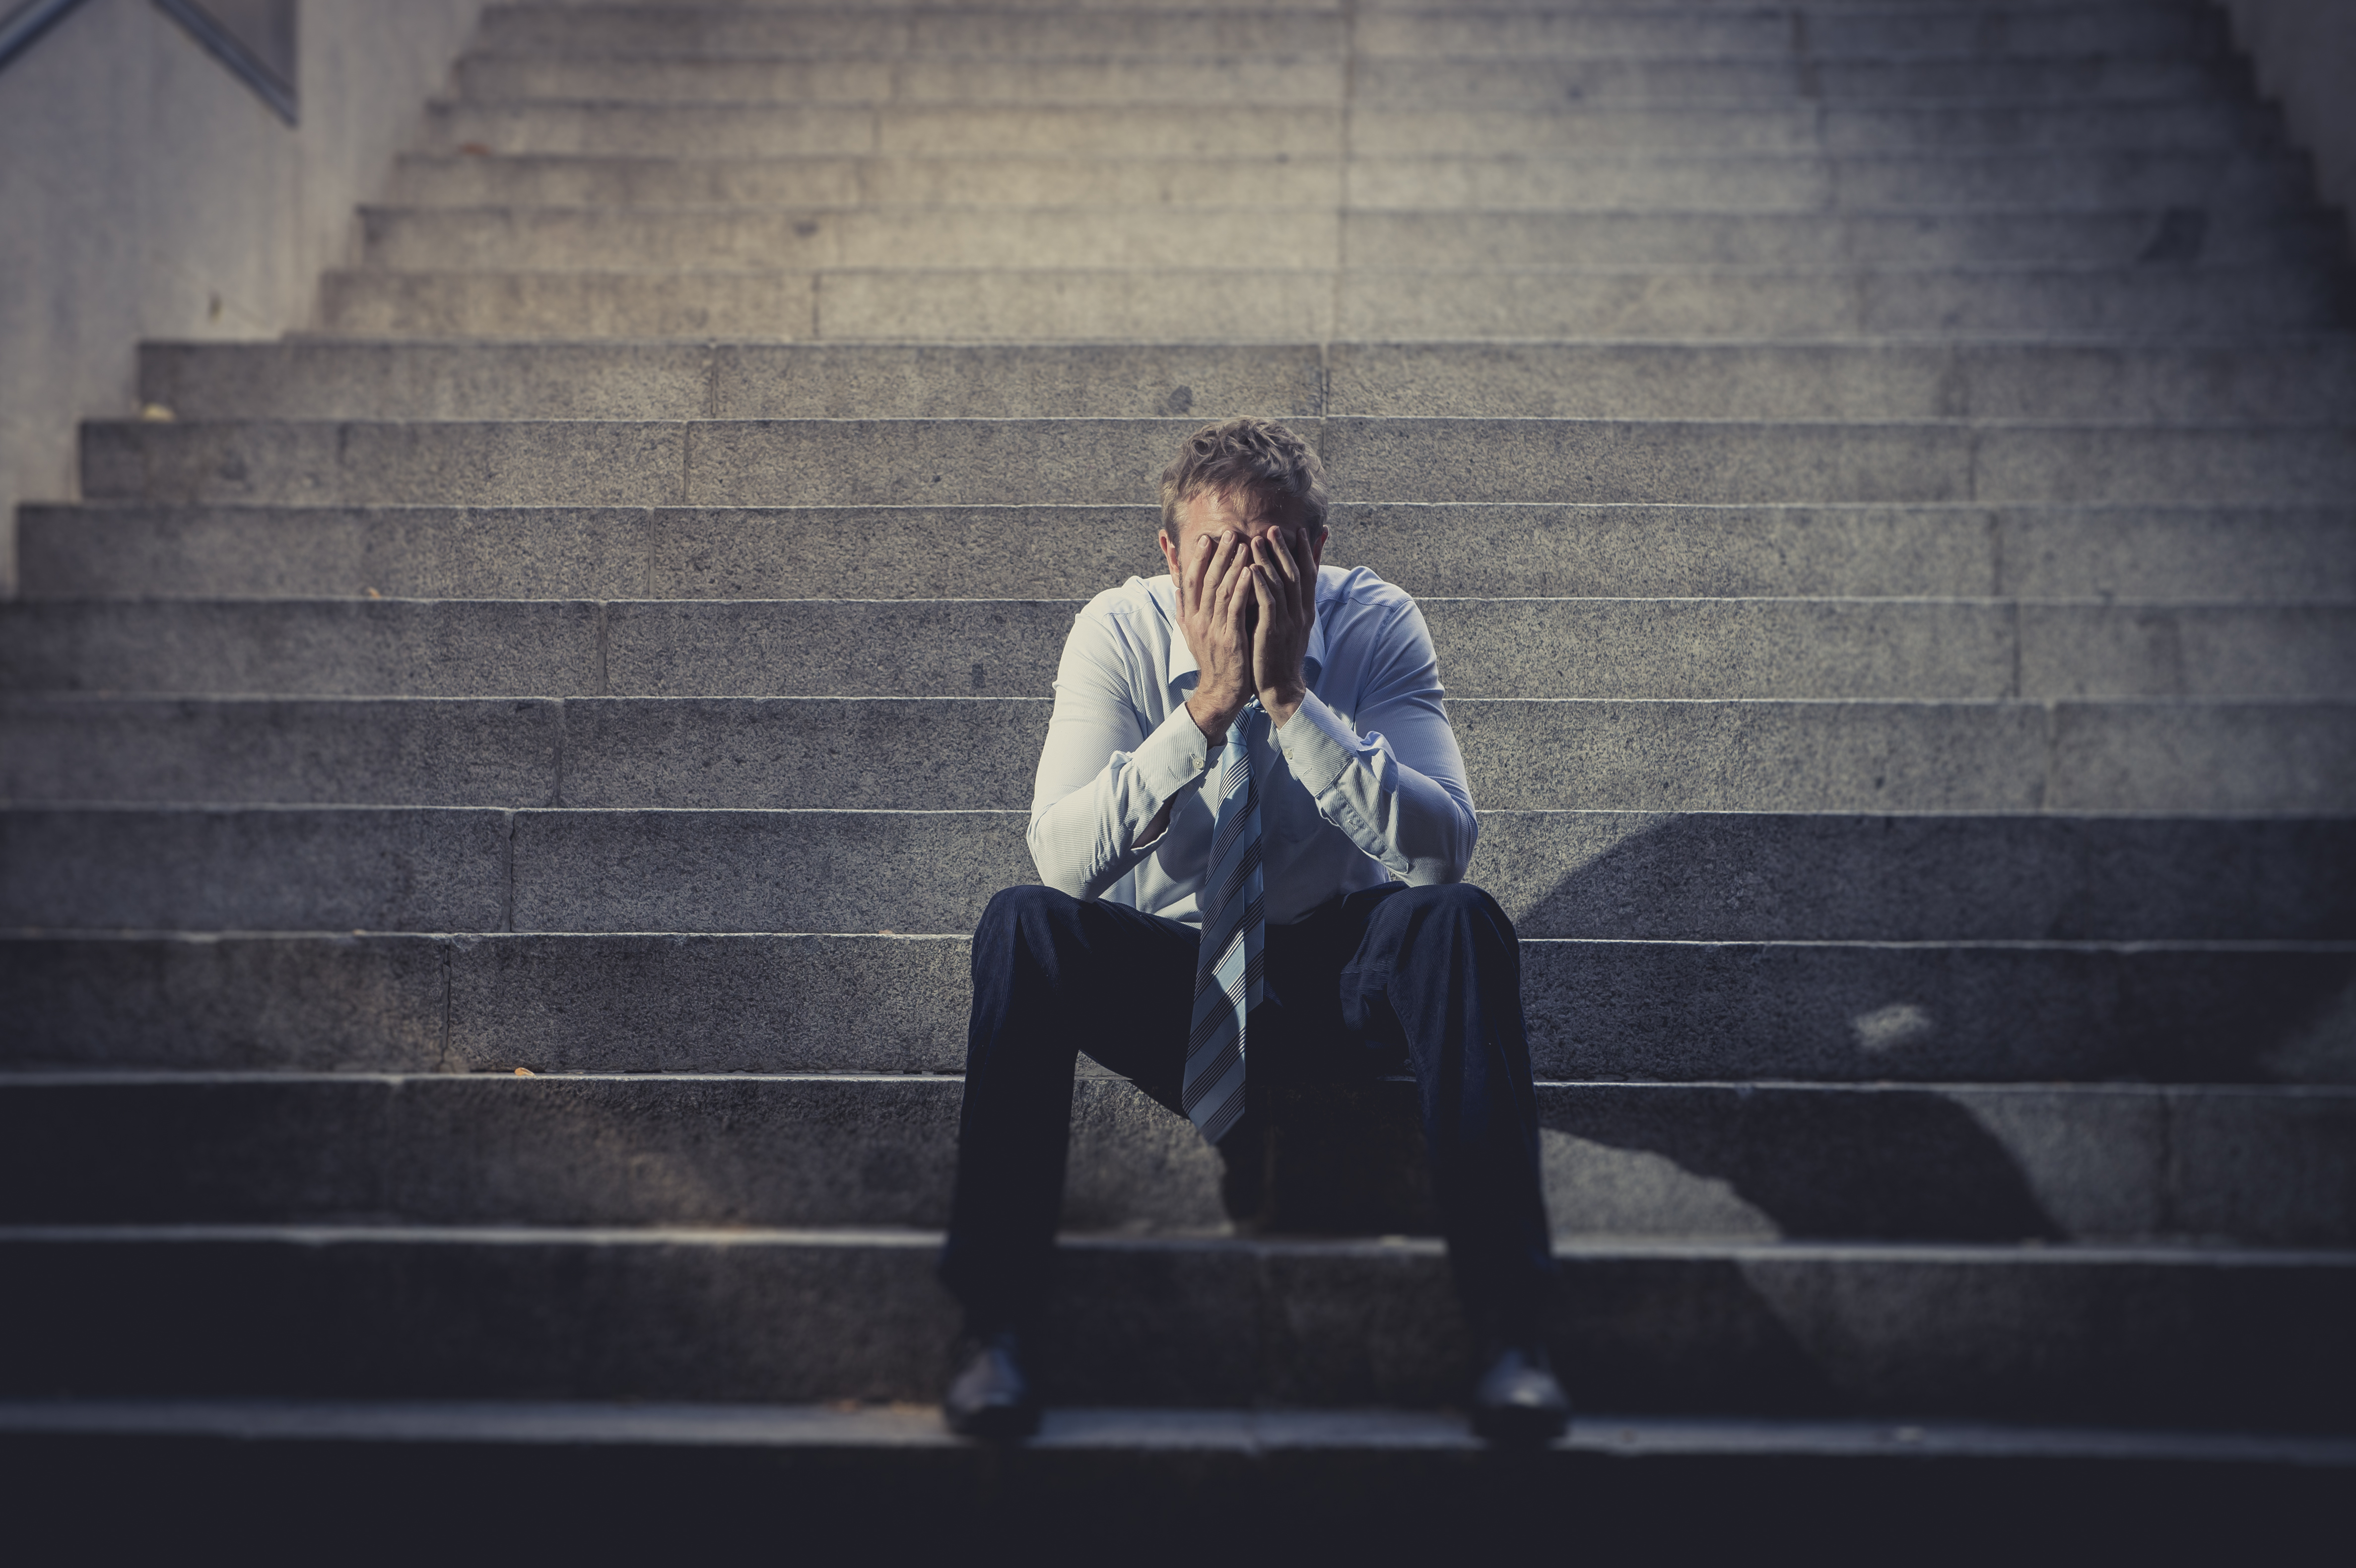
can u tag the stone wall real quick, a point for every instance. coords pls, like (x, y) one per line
(2305, 51)
(146, 192)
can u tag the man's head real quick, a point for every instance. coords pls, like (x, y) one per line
(1243, 477)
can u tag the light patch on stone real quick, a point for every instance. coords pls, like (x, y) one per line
(1596, 1189)
(1894, 1027)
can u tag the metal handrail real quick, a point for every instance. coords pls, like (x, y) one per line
(27, 22)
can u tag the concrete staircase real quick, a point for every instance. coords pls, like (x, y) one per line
(1878, 473)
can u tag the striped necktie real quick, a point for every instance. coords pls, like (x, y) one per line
(1228, 971)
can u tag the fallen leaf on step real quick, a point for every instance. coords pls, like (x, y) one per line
(474, 149)
(156, 413)
(371, 593)
(524, 1072)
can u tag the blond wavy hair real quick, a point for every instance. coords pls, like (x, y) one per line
(1259, 458)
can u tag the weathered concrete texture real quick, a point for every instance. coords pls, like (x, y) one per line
(1596, 1008)
(1961, 31)
(1864, 1011)
(1264, 182)
(1758, 877)
(1988, 300)
(964, 462)
(1737, 877)
(1119, 80)
(258, 869)
(774, 130)
(1590, 648)
(1767, 755)
(1509, 460)
(1640, 233)
(2142, 1335)
(817, 753)
(2102, 78)
(976, 647)
(685, 1003)
(770, 239)
(305, 378)
(2263, 1166)
(393, 647)
(2183, 125)
(1736, 183)
(661, 30)
(503, 751)
(211, 1001)
(321, 379)
(489, 463)
(681, 304)
(770, 752)
(824, 871)
(1860, 380)
(2156, 552)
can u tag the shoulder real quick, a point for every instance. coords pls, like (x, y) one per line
(1139, 605)
(1354, 593)
(1133, 618)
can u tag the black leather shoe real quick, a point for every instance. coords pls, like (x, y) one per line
(1517, 1403)
(990, 1397)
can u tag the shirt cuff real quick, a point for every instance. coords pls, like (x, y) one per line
(1319, 751)
(1172, 759)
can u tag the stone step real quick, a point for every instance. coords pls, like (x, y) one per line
(2153, 1335)
(1140, 305)
(1997, 1012)
(1898, 30)
(2264, 1167)
(1324, 78)
(1143, 82)
(656, 31)
(1706, 31)
(471, 127)
(2189, 125)
(2286, 379)
(2154, 553)
(802, 752)
(1962, 301)
(1582, 648)
(1387, 165)
(886, 1480)
(2209, 126)
(770, 463)
(1681, 80)
(765, 240)
(1709, 877)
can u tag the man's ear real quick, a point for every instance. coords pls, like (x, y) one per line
(1169, 552)
(1317, 547)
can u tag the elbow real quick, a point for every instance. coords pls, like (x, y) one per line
(1451, 857)
(1054, 870)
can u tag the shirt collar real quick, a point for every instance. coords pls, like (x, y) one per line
(1182, 669)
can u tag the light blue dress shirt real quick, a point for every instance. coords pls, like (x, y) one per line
(1363, 785)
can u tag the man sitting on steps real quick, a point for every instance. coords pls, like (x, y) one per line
(1252, 822)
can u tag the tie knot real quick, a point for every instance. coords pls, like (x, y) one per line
(1239, 732)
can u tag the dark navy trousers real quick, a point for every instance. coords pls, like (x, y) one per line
(1422, 979)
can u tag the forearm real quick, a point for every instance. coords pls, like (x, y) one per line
(1416, 822)
(1084, 839)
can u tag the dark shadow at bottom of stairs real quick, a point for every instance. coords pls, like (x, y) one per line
(83, 1497)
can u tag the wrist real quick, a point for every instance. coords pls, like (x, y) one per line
(1283, 701)
(1212, 718)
